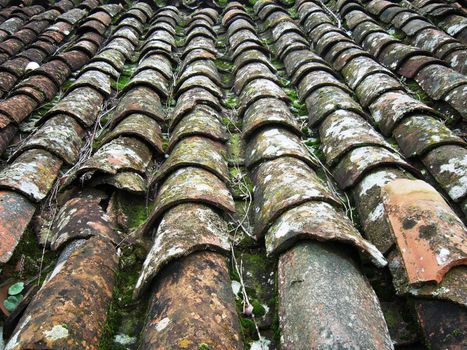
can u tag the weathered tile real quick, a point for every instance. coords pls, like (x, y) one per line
(152, 79)
(201, 121)
(389, 109)
(124, 153)
(94, 79)
(343, 131)
(15, 214)
(82, 217)
(328, 99)
(184, 229)
(258, 89)
(84, 281)
(190, 185)
(329, 304)
(189, 100)
(360, 161)
(268, 111)
(271, 143)
(140, 100)
(430, 237)
(139, 126)
(32, 174)
(418, 134)
(317, 221)
(61, 135)
(448, 165)
(282, 184)
(192, 304)
(83, 104)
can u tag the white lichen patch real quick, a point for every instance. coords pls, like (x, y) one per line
(442, 256)
(162, 324)
(376, 179)
(124, 339)
(57, 332)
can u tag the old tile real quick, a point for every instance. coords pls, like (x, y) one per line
(196, 151)
(193, 304)
(317, 221)
(268, 112)
(324, 299)
(190, 185)
(271, 142)
(184, 229)
(202, 121)
(343, 131)
(124, 153)
(15, 214)
(389, 109)
(83, 104)
(84, 281)
(140, 100)
(60, 135)
(282, 184)
(328, 99)
(448, 165)
(32, 174)
(430, 237)
(360, 160)
(418, 134)
(139, 126)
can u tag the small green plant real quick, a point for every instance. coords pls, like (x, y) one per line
(14, 296)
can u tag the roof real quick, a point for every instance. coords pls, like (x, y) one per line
(225, 175)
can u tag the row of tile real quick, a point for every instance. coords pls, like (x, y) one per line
(295, 210)
(385, 195)
(419, 131)
(38, 160)
(29, 84)
(191, 301)
(17, 18)
(436, 78)
(448, 15)
(421, 33)
(85, 272)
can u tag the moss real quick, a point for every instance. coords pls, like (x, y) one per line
(396, 33)
(136, 209)
(417, 92)
(25, 264)
(224, 64)
(124, 78)
(293, 13)
(277, 64)
(124, 315)
(235, 148)
(179, 41)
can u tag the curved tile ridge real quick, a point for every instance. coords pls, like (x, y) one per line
(29, 178)
(449, 17)
(12, 70)
(191, 299)
(296, 211)
(439, 81)
(40, 85)
(416, 128)
(419, 31)
(134, 137)
(21, 17)
(389, 217)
